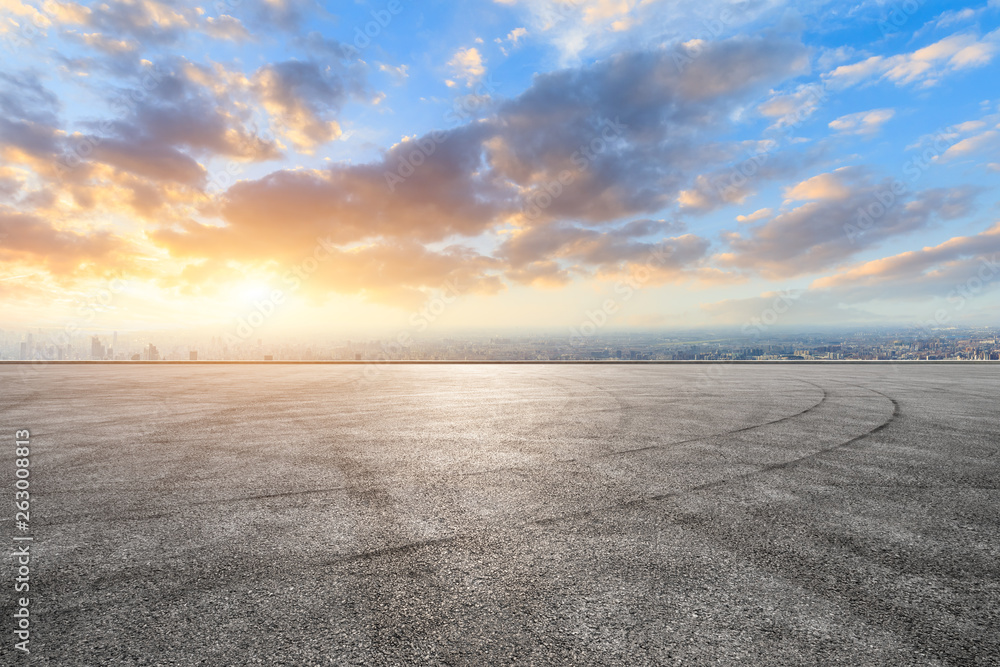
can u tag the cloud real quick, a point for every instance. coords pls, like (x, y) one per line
(352, 203)
(513, 39)
(791, 109)
(226, 27)
(302, 101)
(954, 16)
(930, 271)
(196, 109)
(593, 247)
(862, 122)
(399, 73)
(621, 134)
(11, 182)
(398, 273)
(28, 238)
(145, 21)
(20, 14)
(544, 274)
(286, 15)
(107, 45)
(834, 185)
(759, 214)
(733, 184)
(485, 174)
(572, 25)
(954, 271)
(549, 256)
(924, 66)
(516, 34)
(983, 142)
(845, 213)
(467, 64)
(23, 96)
(152, 160)
(627, 131)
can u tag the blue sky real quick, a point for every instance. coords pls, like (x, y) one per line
(670, 164)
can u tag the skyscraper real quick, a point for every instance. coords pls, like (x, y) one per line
(96, 348)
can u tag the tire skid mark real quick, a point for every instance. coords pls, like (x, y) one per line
(392, 551)
(713, 436)
(524, 469)
(547, 521)
(896, 413)
(641, 500)
(410, 547)
(560, 382)
(81, 518)
(924, 487)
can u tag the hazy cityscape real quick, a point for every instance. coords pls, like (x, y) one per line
(972, 344)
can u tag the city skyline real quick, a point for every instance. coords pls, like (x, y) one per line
(951, 344)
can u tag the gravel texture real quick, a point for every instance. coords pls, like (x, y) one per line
(603, 515)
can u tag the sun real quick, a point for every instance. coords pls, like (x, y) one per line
(251, 291)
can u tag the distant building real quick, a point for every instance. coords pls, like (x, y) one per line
(135, 357)
(96, 348)
(193, 355)
(24, 350)
(268, 357)
(152, 354)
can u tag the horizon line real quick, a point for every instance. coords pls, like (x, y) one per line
(439, 362)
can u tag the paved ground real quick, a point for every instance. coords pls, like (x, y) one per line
(510, 514)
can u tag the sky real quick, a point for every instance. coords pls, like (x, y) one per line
(329, 167)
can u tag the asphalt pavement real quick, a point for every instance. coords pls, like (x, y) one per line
(572, 514)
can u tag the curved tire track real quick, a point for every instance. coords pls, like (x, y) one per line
(896, 413)
(815, 406)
